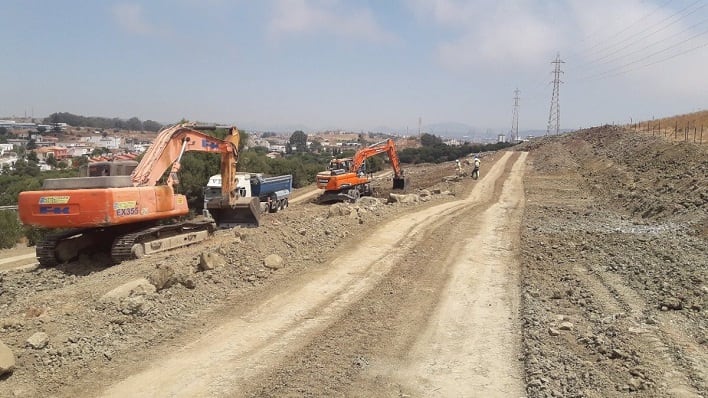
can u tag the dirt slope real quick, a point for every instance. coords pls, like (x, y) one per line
(615, 267)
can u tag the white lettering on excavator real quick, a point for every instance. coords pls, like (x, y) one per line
(53, 200)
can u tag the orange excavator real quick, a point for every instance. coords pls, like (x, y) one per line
(120, 207)
(347, 179)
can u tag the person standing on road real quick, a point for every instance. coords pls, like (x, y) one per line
(475, 167)
(459, 166)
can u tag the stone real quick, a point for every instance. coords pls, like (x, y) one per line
(162, 278)
(209, 261)
(7, 359)
(273, 261)
(140, 286)
(38, 340)
(553, 332)
(671, 303)
(403, 198)
(339, 209)
(368, 202)
(566, 326)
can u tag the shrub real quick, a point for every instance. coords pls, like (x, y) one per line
(10, 229)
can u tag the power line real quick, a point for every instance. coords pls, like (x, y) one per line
(554, 113)
(628, 27)
(679, 12)
(690, 28)
(672, 56)
(610, 71)
(617, 50)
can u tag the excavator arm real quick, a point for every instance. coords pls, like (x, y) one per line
(387, 146)
(172, 142)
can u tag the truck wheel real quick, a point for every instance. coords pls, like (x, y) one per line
(285, 203)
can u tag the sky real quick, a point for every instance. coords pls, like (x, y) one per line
(358, 65)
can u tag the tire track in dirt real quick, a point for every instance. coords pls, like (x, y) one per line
(242, 349)
(363, 353)
(479, 310)
(684, 374)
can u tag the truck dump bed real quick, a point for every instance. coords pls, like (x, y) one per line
(264, 186)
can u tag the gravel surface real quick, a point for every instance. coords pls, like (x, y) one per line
(613, 280)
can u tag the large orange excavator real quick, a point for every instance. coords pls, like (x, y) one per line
(121, 208)
(347, 179)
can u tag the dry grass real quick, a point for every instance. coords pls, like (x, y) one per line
(691, 127)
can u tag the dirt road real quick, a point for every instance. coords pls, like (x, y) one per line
(13, 258)
(466, 297)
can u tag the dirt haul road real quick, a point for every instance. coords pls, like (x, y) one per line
(429, 302)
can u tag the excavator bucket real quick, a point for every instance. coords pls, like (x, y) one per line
(399, 183)
(245, 212)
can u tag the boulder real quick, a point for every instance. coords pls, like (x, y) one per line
(38, 340)
(368, 202)
(163, 277)
(140, 286)
(7, 359)
(339, 209)
(209, 261)
(566, 326)
(273, 261)
(403, 198)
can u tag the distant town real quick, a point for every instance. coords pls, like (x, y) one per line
(60, 144)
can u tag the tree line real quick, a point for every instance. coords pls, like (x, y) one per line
(196, 167)
(133, 123)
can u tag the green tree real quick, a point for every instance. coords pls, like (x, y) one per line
(99, 151)
(51, 160)
(32, 157)
(430, 140)
(80, 161)
(151, 125)
(11, 229)
(134, 124)
(298, 140)
(31, 144)
(316, 146)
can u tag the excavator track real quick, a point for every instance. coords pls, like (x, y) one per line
(159, 238)
(46, 248)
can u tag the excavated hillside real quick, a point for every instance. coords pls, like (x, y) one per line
(615, 292)
(577, 266)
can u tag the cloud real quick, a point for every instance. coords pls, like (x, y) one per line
(130, 17)
(328, 17)
(491, 33)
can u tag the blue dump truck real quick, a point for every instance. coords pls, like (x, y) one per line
(273, 192)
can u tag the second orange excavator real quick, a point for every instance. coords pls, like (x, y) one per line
(121, 209)
(347, 179)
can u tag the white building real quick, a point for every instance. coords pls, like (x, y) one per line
(5, 148)
(104, 142)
